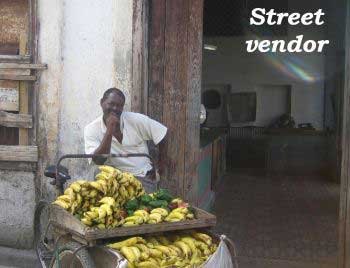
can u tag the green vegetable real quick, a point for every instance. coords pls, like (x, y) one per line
(131, 205)
(164, 194)
(145, 199)
(130, 212)
(158, 203)
(191, 209)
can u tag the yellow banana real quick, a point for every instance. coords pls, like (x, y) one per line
(107, 169)
(135, 218)
(76, 187)
(108, 200)
(142, 213)
(91, 214)
(131, 191)
(109, 220)
(190, 242)
(125, 243)
(61, 203)
(136, 251)
(64, 198)
(97, 186)
(180, 210)
(108, 209)
(130, 223)
(203, 247)
(155, 253)
(147, 264)
(153, 241)
(176, 215)
(103, 176)
(70, 193)
(79, 199)
(123, 192)
(184, 247)
(128, 254)
(176, 249)
(101, 226)
(177, 200)
(155, 216)
(83, 183)
(164, 249)
(102, 212)
(161, 211)
(86, 221)
(104, 185)
(203, 237)
(190, 216)
(73, 207)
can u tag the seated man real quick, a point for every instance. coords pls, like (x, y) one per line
(122, 132)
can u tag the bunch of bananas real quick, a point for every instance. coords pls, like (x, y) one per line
(139, 217)
(179, 214)
(99, 202)
(177, 250)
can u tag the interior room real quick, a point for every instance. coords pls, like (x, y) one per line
(270, 141)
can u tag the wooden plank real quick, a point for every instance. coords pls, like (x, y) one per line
(9, 96)
(156, 60)
(194, 65)
(18, 166)
(139, 56)
(344, 211)
(23, 66)
(16, 120)
(19, 153)
(175, 92)
(64, 220)
(15, 58)
(17, 77)
(23, 138)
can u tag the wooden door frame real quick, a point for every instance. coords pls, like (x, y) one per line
(344, 210)
(153, 94)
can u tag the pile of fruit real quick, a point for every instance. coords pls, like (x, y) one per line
(185, 249)
(117, 198)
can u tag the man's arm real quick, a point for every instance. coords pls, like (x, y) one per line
(105, 146)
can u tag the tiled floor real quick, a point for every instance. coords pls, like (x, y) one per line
(278, 218)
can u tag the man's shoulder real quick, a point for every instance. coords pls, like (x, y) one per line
(134, 117)
(94, 125)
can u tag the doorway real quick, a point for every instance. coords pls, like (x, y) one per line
(279, 199)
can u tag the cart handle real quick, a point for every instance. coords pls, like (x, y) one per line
(59, 182)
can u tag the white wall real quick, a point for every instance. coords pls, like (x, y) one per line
(232, 64)
(87, 45)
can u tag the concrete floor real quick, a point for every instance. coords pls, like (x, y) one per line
(279, 221)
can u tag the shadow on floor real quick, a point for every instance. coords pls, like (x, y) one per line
(279, 218)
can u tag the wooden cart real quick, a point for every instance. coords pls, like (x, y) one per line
(76, 245)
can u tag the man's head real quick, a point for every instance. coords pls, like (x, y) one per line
(113, 101)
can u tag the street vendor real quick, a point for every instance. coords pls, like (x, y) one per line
(118, 131)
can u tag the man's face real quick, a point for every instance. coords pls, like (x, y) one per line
(112, 104)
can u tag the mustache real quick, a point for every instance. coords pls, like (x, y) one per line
(117, 113)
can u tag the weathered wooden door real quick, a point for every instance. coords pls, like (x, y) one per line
(344, 219)
(174, 71)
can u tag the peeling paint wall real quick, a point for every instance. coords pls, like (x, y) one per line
(87, 45)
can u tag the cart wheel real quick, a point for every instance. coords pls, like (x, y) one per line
(82, 258)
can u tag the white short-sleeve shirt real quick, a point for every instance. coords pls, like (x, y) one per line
(137, 129)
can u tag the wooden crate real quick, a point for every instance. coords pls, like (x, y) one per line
(65, 221)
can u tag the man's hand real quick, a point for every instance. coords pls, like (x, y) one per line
(112, 122)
